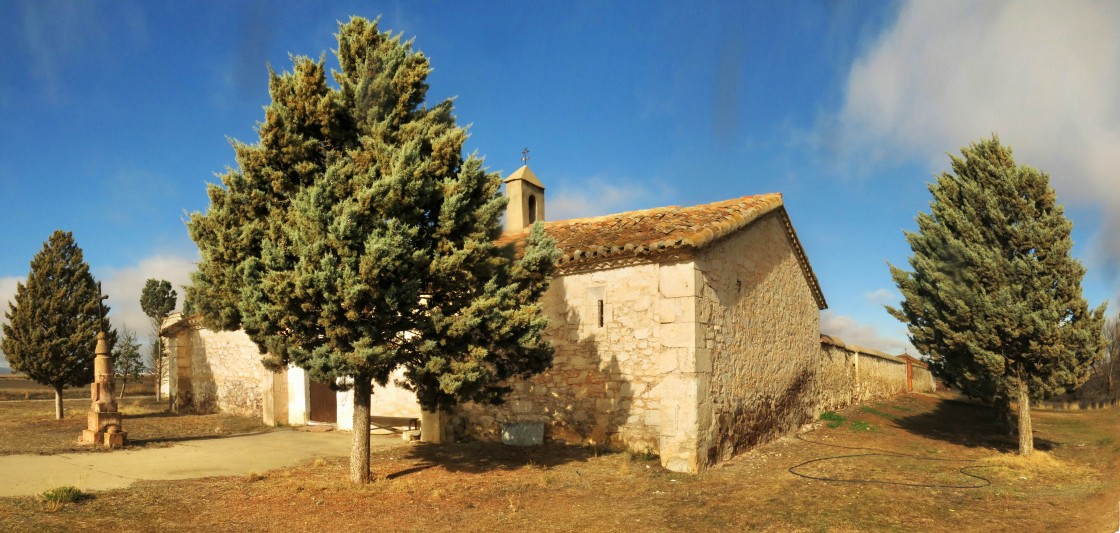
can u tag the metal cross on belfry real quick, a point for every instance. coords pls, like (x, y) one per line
(101, 308)
(525, 156)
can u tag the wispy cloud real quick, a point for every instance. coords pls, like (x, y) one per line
(1045, 76)
(850, 331)
(883, 296)
(602, 196)
(57, 35)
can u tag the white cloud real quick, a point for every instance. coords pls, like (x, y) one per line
(7, 293)
(1043, 75)
(600, 196)
(883, 296)
(125, 284)
(850, 331)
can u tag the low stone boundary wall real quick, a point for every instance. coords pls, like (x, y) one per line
(851, 374)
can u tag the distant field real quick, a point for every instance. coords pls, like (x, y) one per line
(13, 387)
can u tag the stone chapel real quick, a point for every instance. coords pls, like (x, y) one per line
(689, 332)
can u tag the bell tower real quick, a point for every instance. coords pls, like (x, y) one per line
(526, 198)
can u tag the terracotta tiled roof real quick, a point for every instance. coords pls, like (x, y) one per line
(664, 230)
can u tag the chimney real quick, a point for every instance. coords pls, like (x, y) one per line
(526, 200)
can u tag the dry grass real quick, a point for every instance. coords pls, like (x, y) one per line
(30, 426)
(1071, 486)
(13, 387)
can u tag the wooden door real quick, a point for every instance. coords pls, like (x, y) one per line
(909, 376)
(323, 403)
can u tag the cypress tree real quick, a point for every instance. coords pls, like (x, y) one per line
(355, 239)
(53, 323)
(127, 362)
(157, 300)
(994, 297)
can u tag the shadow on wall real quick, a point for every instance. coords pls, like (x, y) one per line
(587, 399)
(966, 423)
(744, 425)
(584, 398)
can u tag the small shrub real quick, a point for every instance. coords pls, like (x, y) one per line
(65, 494)
(860, 425)
(834, 419)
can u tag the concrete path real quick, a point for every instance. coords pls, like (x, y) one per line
(25, 475)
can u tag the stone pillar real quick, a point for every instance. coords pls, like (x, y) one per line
(104, 420)
(431, 427)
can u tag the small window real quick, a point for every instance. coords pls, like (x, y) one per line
(600, 313)
(532, 208)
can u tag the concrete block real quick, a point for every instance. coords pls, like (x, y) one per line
(523, 433)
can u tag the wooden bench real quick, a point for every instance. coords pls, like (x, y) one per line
(394, 423)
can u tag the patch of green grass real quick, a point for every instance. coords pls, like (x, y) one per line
(65, 494)
(876, 412)
(834, 419)
(859, 425)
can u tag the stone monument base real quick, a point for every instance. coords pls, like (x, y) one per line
(104, 429)
(109, 439)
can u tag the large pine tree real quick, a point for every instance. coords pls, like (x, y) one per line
(995, 297)
(53, 324)
(355, 239)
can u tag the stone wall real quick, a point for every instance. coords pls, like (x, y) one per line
(215, 371)
(837, 377)
(878, 376)
(923, 380)
(603, 386)
(389, 401)
(852, 374)
(758, 341)
(220, 371)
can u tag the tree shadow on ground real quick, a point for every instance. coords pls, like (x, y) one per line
(479, 457)
(965, 423)
(186, 438)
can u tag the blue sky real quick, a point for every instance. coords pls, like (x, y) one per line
(114, 116)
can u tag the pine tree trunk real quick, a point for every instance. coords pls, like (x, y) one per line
(58, 402)
(124, 383)
(359, 450)
(1026, 433)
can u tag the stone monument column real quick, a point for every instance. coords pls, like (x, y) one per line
(104, 419)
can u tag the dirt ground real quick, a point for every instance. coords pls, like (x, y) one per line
(912, 463)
